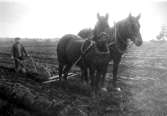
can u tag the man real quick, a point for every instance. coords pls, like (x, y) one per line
(18, 54)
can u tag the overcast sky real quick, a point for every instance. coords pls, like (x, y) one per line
(54, 18)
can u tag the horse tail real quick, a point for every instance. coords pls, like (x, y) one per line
(61, 46)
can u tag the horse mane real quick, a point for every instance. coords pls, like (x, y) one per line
(118, 35)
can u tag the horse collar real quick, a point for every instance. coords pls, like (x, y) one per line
(100, 52)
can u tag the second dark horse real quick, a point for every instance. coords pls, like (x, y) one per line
(71, 47)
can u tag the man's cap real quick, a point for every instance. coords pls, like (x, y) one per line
(17, 38)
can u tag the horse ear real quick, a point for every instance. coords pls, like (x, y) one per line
(107, 16)
(138, 17)
(130, 15)
(98, 15)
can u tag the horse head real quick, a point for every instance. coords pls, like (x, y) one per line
(133, 28)
(101, 25)
(102, 21)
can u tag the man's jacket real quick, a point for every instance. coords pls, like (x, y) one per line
(18, 50)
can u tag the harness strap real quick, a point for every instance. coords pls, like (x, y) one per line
(115, 32)
(84, 52)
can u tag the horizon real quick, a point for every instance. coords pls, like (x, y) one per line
(53, 19)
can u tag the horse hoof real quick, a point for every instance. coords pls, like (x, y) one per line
(94, 95)
(118, 89)
(84, 83)
(23, 71)
(104, 89)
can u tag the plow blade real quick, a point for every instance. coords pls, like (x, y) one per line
(56, 77)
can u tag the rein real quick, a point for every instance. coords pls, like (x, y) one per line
(84, 52)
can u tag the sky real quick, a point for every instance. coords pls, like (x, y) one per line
(55, 18)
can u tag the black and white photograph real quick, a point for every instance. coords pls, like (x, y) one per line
(83, 57)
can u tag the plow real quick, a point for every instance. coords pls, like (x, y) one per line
(49, 78)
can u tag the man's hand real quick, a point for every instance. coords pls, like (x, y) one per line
(12, 57)
(28, 55)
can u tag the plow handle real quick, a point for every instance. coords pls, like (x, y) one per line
(33, 64)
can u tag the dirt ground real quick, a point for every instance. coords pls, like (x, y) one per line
(147, 79)
(142, 79)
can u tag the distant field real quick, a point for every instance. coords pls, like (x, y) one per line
(43, 51)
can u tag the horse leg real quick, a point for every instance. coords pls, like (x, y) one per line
(115, 70)
(102, 81)
(97, 80)
(92, 79)
(60, 69)
(84, 75)
(84, 71)
(65, 71)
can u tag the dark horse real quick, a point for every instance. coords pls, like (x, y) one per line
(71, 47)
(122, 31)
